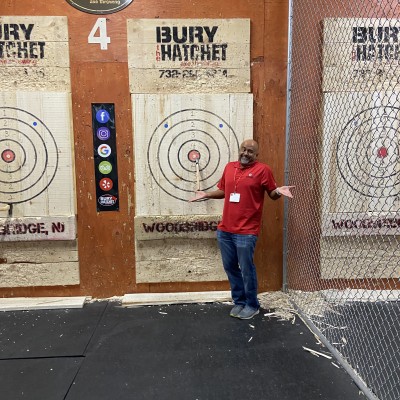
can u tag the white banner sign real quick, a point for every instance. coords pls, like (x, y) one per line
(41, 228)
(342, 224)
(186, 56)
(361, 54)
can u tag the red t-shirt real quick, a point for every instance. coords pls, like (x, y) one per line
(250, 182)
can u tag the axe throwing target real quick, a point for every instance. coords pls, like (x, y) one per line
(28, 156)
(368, 152)
(180, 140)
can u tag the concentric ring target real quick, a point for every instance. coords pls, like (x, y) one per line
(367, 152)
(28, 156)
(184, 137)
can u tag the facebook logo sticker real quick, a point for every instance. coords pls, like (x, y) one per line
(102, 116)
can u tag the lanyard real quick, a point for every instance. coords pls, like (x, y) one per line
(240, 176)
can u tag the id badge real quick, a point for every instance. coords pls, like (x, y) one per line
(234, 198)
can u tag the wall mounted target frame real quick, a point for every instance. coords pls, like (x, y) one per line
(184, 138)
(367, 152)
(361, 154)
(28, 156)
(182, 142)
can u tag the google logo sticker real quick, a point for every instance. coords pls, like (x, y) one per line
(104, 150)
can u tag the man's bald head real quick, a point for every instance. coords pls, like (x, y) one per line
(248, 152)
(250, 143)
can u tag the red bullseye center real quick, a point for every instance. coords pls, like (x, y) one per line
(193, 155)
(8, 156)
(382, 152)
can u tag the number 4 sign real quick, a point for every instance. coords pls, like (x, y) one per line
(101, 38)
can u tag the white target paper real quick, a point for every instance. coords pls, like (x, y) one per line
(170, 133)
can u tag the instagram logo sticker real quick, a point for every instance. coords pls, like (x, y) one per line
(103, 133)
(104, 150)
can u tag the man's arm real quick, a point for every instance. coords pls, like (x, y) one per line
(275, 194)
(216, 194)
(279, 191)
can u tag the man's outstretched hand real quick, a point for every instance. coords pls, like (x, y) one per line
(199, 195)
(285, 190)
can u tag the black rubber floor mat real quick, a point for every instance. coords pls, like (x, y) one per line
(37, 379)
(199, 352)
(48, 333)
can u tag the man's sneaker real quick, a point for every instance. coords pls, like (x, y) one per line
(248, 313)
(236, 311)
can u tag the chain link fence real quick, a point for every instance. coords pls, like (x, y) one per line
(342, 238)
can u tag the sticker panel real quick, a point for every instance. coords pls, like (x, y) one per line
(105, 157)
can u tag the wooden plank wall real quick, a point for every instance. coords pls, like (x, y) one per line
(106, 240)
(215, 124)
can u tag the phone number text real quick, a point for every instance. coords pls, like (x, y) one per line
(193, 73)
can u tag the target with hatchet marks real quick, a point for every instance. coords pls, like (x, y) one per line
(360, 159)
(368, 152)
(28, 156)
(183, 142)
(185, 138)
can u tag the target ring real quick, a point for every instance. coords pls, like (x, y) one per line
(367, 152)
(185, 140)
(8, 156)
(204, 150)
(28, 156)
(194, 155)
(382, 152)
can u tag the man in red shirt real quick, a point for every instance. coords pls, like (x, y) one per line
(244, 182)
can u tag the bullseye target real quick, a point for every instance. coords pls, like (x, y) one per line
(184, 141)
(367, 152)
(28, 156)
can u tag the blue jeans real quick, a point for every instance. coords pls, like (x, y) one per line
(237, 258)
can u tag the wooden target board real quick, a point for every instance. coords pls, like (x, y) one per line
(360, 145)
(361, 154)
(37, 191)
(171, 132)
(191, 111)
(29, 153)
(361, 125)
(36, 168)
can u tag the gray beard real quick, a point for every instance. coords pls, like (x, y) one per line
(244, 160)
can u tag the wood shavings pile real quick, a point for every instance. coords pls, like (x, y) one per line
(311, 303)
(279, 303)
